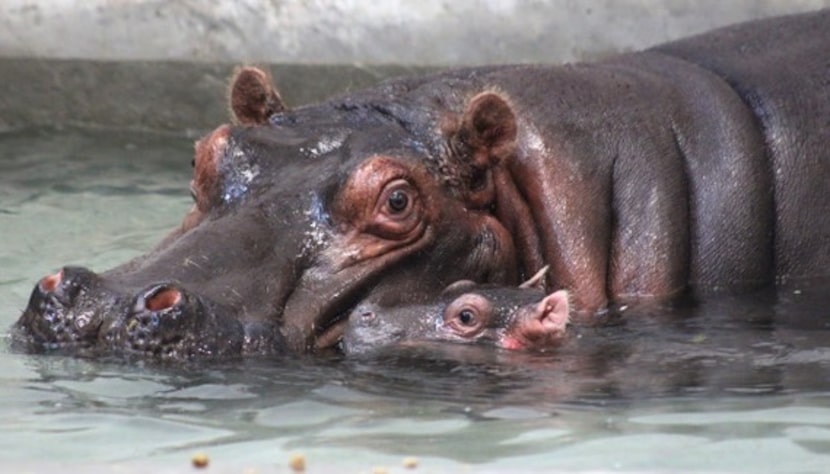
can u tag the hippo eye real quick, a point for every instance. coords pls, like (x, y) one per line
(397, 211)
(383, 199)
(398, 201)
(467, 317)
(398, 197)
(465, 322)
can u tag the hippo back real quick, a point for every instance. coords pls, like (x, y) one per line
(770, 64)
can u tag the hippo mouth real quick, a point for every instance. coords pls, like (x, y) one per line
(316, 311)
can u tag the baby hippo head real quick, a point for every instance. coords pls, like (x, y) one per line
(506, 317)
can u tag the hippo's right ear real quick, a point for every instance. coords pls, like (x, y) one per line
(252, 96)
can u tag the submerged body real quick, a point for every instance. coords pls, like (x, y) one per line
(697, 166)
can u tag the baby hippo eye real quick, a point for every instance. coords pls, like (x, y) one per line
(467, 317)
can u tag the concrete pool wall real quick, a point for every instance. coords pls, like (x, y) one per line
(160, 64)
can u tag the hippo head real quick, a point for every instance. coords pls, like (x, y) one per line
(298, 216)
(513, 318)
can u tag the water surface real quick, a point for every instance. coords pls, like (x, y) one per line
(733, 385)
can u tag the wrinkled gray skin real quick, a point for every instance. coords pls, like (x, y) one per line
(697, 166)
(509, 318)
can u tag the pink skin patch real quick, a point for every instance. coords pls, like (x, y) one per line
(511, 343)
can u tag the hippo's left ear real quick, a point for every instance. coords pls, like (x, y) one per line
(252, 96)
(488, 126)
(483, 137)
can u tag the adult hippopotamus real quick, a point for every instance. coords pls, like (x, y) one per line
(699, 165)
(520, 318)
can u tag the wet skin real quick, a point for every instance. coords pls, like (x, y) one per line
(505, 317)
(694, 167)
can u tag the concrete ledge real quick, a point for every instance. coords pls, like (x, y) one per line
(423, 32)
(163, 65)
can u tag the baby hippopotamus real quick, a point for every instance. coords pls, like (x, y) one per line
(515, 318)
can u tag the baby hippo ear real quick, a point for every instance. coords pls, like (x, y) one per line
(553, 311)
(458, 286)
(253, 98)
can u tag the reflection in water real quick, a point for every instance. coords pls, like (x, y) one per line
(740, 383)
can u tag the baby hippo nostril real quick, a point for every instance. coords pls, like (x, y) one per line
(49, 284)
(162, 298)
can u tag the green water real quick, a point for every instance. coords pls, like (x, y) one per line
(735, 385)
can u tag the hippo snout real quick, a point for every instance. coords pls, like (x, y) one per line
(366, 317)
(59, 312)
(166, 321)
(76, 309)
(366, 331)
(159, 319)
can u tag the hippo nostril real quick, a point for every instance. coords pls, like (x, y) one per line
(49, 284)
(61, 289)
(162, 298)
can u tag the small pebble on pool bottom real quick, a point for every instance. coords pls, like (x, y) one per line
(410, 462)
(199, 460)
(297, 462)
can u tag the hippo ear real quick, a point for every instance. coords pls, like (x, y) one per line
(253, 99)
(483, 137)
(488, 128)
(554, 310)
